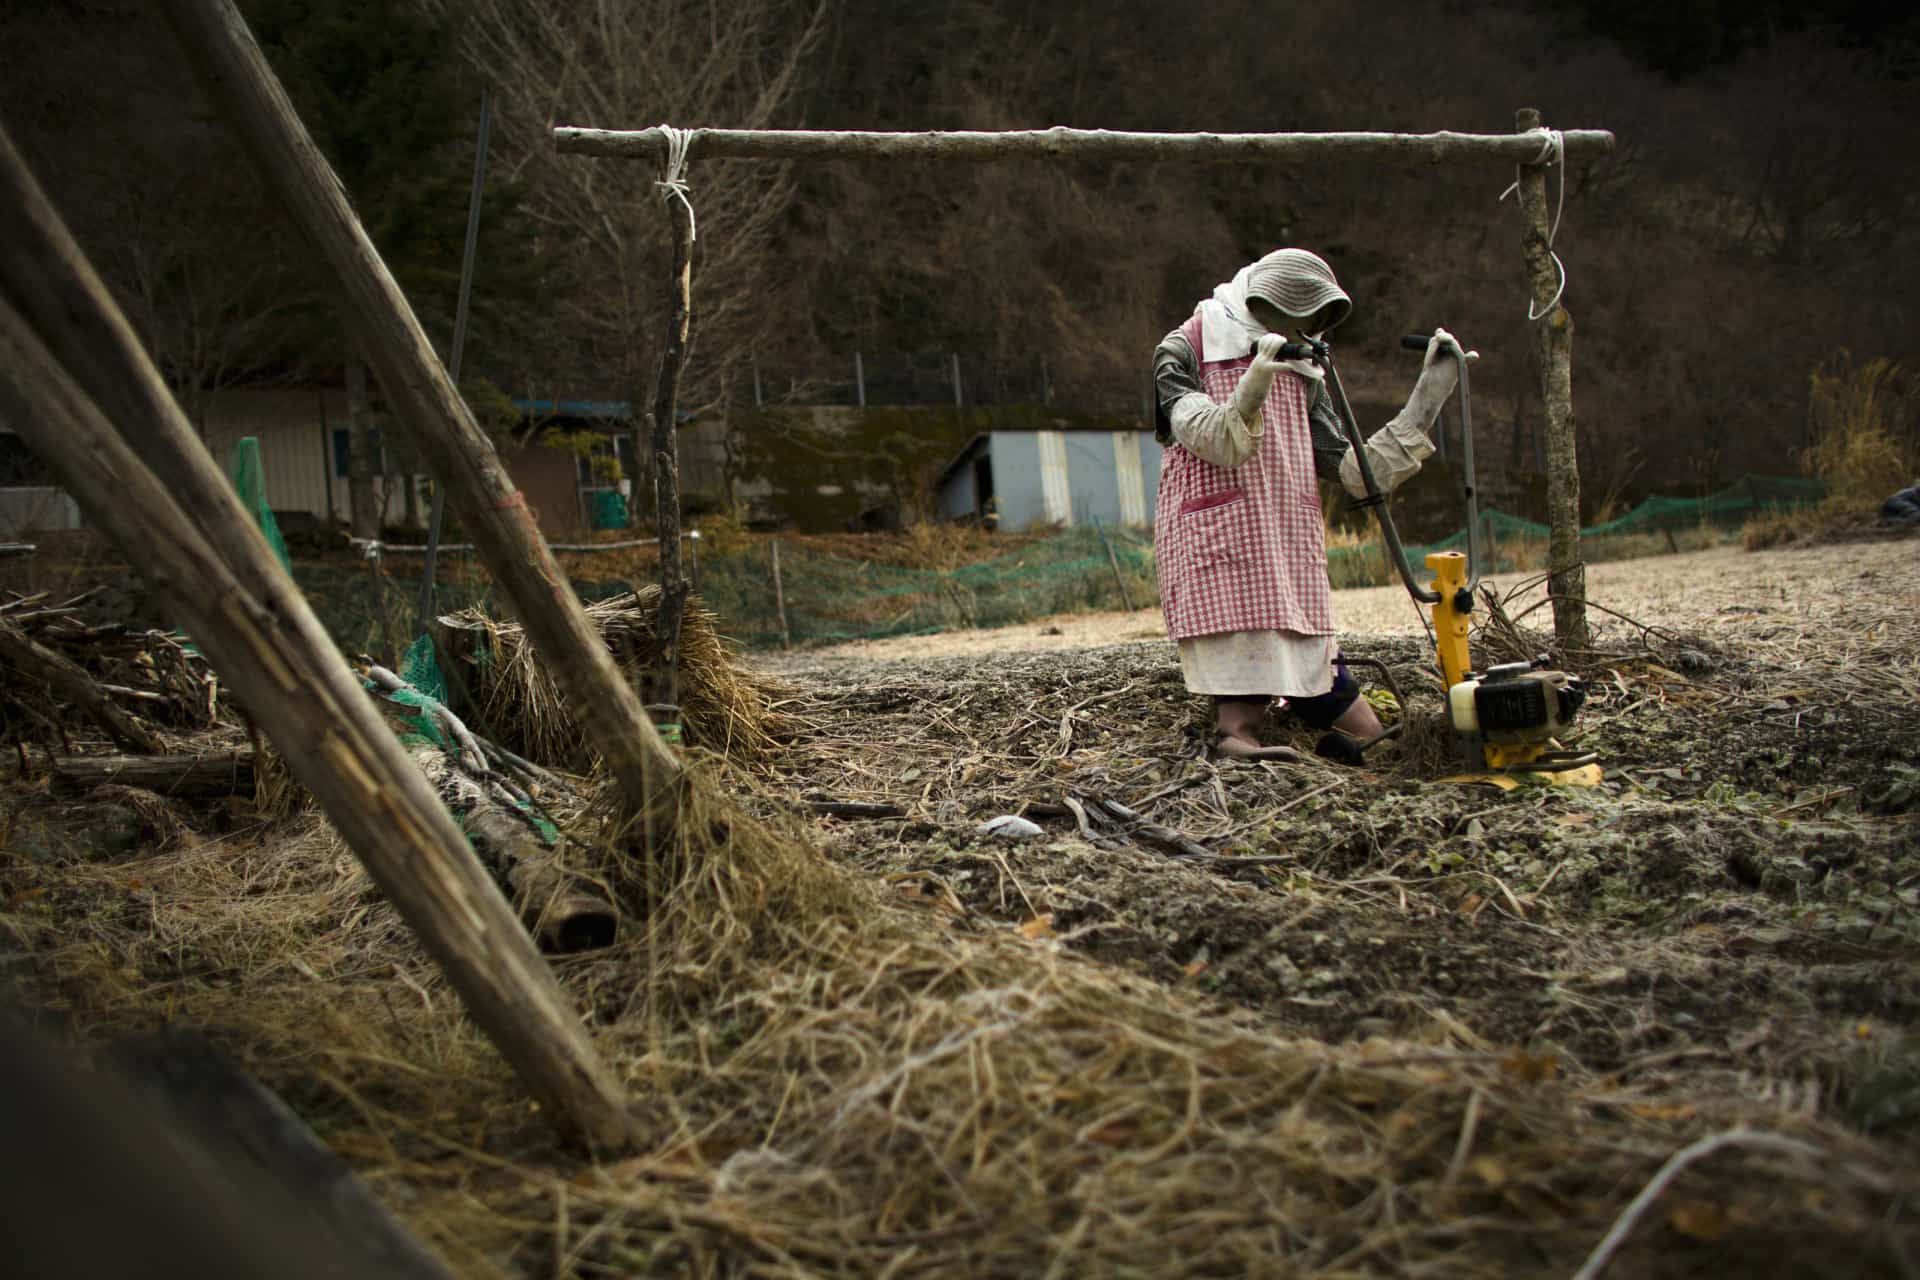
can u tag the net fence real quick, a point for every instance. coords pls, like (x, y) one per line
(822, 598)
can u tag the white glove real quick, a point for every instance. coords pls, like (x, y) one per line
(1251, 394)
(1228, 434)
(1395, 452)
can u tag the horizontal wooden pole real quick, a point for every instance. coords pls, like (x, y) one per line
(250, 100)
(1077, 144)
(363, 545)
(222, 773)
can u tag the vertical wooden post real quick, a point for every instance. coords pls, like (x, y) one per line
(1553, 352)
(779, 595)
(363, 512)
(250, 100)
(666, 452)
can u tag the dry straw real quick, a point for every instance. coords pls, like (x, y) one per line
(722, 707)
(831, 1081)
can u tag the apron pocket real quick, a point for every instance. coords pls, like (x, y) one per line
(1221, 531)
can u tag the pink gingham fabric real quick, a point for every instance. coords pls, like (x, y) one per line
(1244, 548)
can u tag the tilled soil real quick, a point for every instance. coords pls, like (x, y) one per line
(1737, 906)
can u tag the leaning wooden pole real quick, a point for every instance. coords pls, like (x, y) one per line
(1072, 144)
(666, 449)
(333, 740)
(247, 95)
(1553, 357)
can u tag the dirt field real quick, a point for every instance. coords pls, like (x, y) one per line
(1722, 592)
(1215, 1018)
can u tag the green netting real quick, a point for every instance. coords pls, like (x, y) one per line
(424, 727)
(249, 478)
(421, 669)
(831, 598)
(1729, 508)
(609, 510)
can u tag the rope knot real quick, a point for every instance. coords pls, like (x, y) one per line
(673, 181)
(1553, 154)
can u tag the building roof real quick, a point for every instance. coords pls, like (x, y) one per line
(613, 410)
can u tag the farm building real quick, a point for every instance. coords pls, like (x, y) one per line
(1020, 479)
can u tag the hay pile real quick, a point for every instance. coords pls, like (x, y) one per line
(839, 1078)
(519, 706)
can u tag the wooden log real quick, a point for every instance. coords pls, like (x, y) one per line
(666, 452)
(68, 679)
(564, 912)
(268, 647)
(114, 1174)
(1073, 144)
(198, 777)
(251, 1135)
(1553, 358)
(459, 455)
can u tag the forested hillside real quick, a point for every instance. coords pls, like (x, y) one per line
(1755, 222)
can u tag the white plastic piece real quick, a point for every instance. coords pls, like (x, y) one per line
(1009, 826)
(1461, 708)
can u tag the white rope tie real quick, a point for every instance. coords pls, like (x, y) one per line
(1553, 152)
(674, 181)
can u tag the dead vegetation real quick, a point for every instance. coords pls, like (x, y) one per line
(1382, 1026)
(722, 707)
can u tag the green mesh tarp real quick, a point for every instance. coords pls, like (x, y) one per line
(250, 480)
(609, 510)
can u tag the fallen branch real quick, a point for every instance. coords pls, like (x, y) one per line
(207, 776)
(68, 679)
(1623, 1227)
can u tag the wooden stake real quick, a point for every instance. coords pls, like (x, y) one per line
(262, 638)
(1553, 352)
(244, 91)
(666, 452)
(1114, 560)
(1077, 144)
(779, 596)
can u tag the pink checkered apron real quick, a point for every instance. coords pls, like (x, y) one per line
(1244, 548)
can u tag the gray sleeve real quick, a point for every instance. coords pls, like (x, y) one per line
(1176, 373)
(1329, 438)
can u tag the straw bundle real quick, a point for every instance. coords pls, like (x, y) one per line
(722, 707)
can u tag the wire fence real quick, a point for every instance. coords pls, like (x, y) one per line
(813, 597)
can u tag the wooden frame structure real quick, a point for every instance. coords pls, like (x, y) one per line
(1532, 150)
(90, 401)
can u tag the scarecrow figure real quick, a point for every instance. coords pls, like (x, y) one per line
(1239, 536)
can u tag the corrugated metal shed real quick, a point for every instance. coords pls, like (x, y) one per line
(1034, 478)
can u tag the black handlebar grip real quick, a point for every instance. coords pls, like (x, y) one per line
(1416, 341)
(1295, 351)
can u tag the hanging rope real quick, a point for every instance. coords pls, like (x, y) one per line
(674, 181)
(1553, 152)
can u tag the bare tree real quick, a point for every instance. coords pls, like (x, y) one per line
(629, 63)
